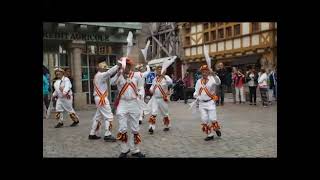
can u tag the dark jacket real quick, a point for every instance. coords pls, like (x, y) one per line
(222, 73)
(271, 85)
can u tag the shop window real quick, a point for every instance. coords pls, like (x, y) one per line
(85, 86)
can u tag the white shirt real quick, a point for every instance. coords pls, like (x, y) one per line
(100, 79)
(120, 81)
(164, 83)
(211, 86)
(251, 82)
(262, 80)
(63, 83)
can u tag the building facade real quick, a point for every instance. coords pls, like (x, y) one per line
(78, 46)
(239, 44)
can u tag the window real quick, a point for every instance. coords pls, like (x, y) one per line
(187, 41)
(221, 33)
(220, 23)
(213, 35)
(84, 60)
(236, 29)
(213, 24)
(228, 31)
(206, 37)
(205, 26)
(255, 27)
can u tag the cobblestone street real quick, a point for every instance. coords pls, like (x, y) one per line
(247, 131)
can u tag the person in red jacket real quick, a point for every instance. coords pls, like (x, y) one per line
(239, 86)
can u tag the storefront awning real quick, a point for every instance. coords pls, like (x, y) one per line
(251, 59)
(156, 62)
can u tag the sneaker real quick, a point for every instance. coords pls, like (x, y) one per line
(110, 138)
(166, 129)
(59, 125)
(218, 132)
(124, 155)
(74, 123)
(139, 155)
(151, 130)
(140, 122)
(209, 138)
(94, 137)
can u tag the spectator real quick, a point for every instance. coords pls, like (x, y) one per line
(270, 86)
(263, 87)
(252, 79)
(45, 90)
(186, 87)
(233, 74)
(67, 72)
(275, 83)
(229, 81)
(222, 74)
(239, 86)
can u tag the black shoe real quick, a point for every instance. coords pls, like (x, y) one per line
(255, 104)
(139, 155)
(109, 138)
(94, 137)
(74, 123)
(140, 122)
(151, 130)
(124, 155)
(250, 104)
(218, 132)
(209, 138)
(59, 125)
(166, 129)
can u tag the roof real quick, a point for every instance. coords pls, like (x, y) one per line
(130, 25)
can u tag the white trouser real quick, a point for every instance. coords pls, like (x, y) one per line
(128, 113)
(141, 111)
(241, 91)
(64, 104)
(102, 113)
(159, 106)
(208, 113)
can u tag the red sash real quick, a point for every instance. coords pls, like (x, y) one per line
(165, 98)
(101, 95)
(124, 88)
(212, 96)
